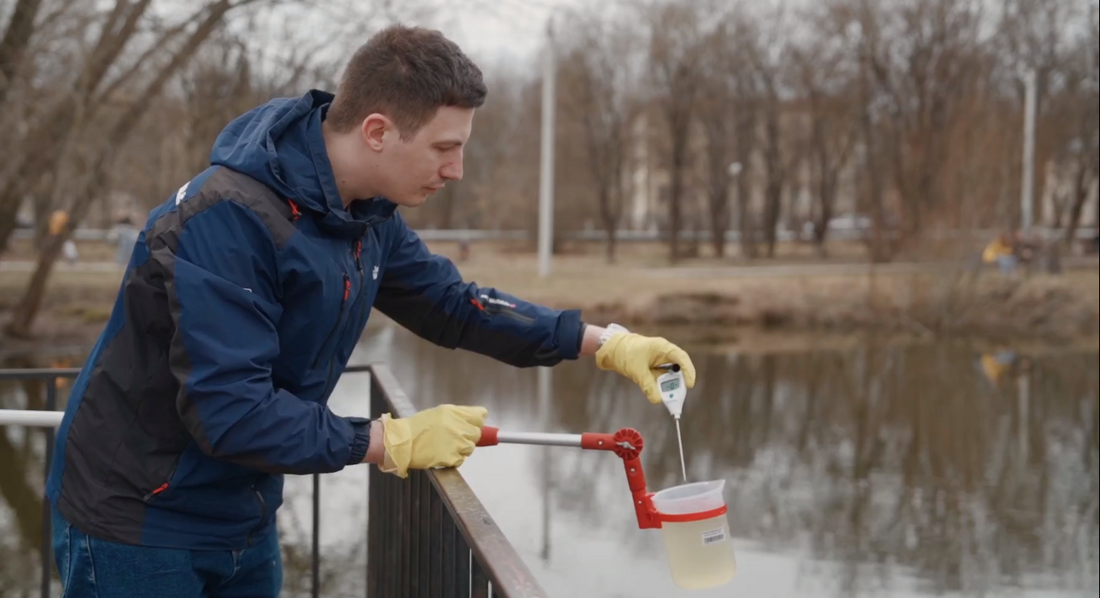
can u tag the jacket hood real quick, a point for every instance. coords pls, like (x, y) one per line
(280, 144)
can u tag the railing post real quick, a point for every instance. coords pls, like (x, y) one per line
(374, 504)
(47, 526)
(429, 535)
(316, 557)
(429, 532)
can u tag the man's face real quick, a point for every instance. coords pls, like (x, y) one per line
(411, 170)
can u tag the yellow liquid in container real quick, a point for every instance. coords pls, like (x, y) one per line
(697, 542)
(700, 553)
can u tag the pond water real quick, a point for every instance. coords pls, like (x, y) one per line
(859, 469)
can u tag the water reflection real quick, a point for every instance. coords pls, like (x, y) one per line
(884, 470)
(877, 470)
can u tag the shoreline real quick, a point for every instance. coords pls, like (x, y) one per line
(718, 309)
(78, 338)
(716, 323)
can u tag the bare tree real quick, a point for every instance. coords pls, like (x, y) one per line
(14, 42)
(728, 112)
(823, 79)
(768, 58)
(860, 22)
(1082, 96)
(500, 164)
(1034, 34)
(1095, 74)
(41, 153)
(95, 179)
(746, 123)
(724, 109)
(937, 67)
(917, 63)
(675, 48)
(601, 91)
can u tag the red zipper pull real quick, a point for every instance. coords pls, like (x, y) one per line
(162, 488)
(347, 286)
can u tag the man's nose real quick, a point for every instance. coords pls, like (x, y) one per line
(452, 171)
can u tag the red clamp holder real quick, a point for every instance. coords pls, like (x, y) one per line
(627, 443)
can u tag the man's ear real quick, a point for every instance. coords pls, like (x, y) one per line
(374, 130)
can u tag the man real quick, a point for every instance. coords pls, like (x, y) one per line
(244, 297)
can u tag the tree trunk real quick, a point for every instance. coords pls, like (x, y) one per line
(42, 154)
(674, 220)
(719, 182)
(27, 309)
(872, 170)
(819, 171)
(719, 219)
(447, 214)
(773, 161)
(609, 246)
(774, 198)
(14, 42)
(25, 500)
(1082, 184)
(607, 219)
(9, 208)
(676, 185)
(747, 229)
(25, 312)
(827, 198)
(1096, 207)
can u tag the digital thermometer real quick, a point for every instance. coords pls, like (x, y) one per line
(673, 392)
(672, 389)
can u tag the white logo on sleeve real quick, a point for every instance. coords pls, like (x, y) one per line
(182, 193)
(495, 301)
(374, 273)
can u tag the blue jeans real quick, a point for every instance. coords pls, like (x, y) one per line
(1007, 264)
(94, 568)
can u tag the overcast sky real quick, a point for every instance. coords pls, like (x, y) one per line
(505, 29)
(492, 32)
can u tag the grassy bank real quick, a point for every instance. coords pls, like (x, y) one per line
(712, 300)
(719, 300)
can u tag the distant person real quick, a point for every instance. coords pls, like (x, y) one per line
(70, 252)
(123, 235)
(246, 295)
(59, 220)
(994, 365)
(1001, 251)
(1026, 246)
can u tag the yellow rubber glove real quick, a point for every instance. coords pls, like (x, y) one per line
(442, 436)
(637, 357)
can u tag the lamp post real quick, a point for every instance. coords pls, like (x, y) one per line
(546, 169)
(1027, 191)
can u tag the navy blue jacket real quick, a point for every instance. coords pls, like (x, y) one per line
(246, 292)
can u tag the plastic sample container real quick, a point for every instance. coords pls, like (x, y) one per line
(696, 534)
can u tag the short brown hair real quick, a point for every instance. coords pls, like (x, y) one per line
(406, 73)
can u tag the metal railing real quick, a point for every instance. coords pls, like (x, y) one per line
(50, 378)
(837, 232)
(427, 535)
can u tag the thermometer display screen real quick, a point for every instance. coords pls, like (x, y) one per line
(670, 385)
